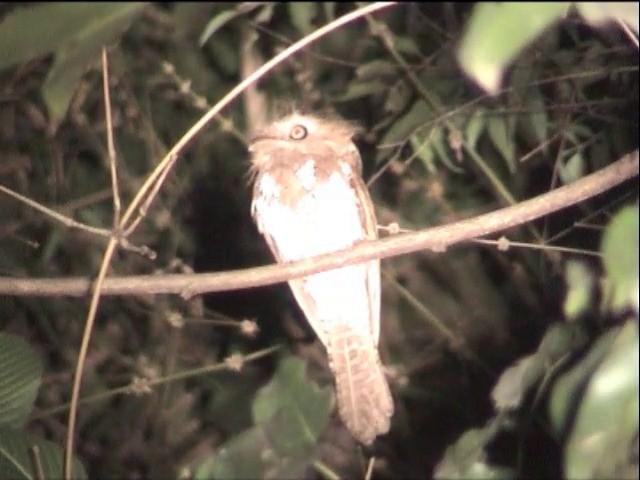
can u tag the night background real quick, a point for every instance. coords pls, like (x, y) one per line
(504, 363)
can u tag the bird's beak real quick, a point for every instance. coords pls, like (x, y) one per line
(266, 133)
(254, 139)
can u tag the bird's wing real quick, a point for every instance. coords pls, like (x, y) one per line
(373, 267)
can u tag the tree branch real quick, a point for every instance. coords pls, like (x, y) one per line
(437, 239)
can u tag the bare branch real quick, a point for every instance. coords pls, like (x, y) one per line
(110, 143)
(436, 239)
(68, 221)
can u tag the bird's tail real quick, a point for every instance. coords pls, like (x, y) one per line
(364, 400)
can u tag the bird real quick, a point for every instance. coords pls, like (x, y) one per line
(309, 199)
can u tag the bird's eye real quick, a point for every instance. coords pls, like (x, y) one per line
(298, 132)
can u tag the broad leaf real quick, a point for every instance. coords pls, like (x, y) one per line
(620, 257)
(20, 376)
(497, 32)
(17, 456)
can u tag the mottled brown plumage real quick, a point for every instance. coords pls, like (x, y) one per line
(309, 199)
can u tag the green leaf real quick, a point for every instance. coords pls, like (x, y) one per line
(601, 443)
(598, 13)
(307, 407)
(467, 458)
(433, 145)
(52, 243)
(559, 341)
(497, 32)
(236, 458)
(376, 69)
(503, 140)
(398, 97)
(290, 413)
(75, 33)
(58, 26)
(580, 284)
(423, 151)
(475, 127)
(224, 17)
(102, 26)
(216, 23)
(419, 114)
(329, 10)
(516, 381)
(407, 46)
(537, 121)
(249, 455)
(302, 15)
(265, 14)
(620, 257)
(231, 399)
(20, 376)
(446, 153)
(15, 459)
(576, 133)
(359, 89)
(573, 169)
(567, 390)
